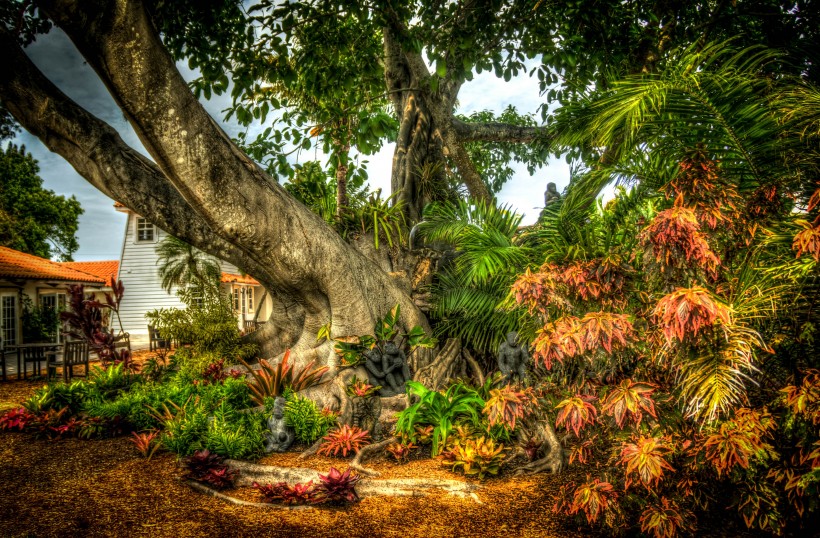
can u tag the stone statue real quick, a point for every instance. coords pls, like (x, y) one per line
(512, 359)
(551, 194)
(365, 414)
(388, 369)
(281, 435)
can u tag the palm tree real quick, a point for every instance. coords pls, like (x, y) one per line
(181, 265)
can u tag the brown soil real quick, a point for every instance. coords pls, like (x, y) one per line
(74, 487)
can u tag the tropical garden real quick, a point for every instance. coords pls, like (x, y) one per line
(666, 297)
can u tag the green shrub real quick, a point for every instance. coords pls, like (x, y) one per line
(441, 410)
(236, 435)
(57, 396)
(308, 422)
(186, 431)
(207, 323)
(112, 379)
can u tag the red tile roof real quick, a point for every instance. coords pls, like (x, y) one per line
(106, 270)
(16, 264)
(239, 279)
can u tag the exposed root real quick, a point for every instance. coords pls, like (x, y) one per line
(398, 487)
(233, 500)
(370, 451)
(474, 365)
(314, 448)
(552, 462)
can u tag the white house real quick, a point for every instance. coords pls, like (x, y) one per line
(139, 273)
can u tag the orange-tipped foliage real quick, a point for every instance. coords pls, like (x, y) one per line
(665, 520)
(507, 404)
(804, 400)
(593, 499)
(605, 330)
(271, 381)
(570, 336)
(687, 311)
(645, 457)
(576, 413)
(738, 440)
(401, 451)
(582, 453)
(629, 401)
(700, 187)
(807, 241)
(675, 241)
(145, 442)
(345, 439)
(539, 290)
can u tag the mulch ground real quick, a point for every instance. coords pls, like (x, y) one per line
(73, 487)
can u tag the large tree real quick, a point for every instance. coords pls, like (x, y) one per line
(34, 219)
(203, 189)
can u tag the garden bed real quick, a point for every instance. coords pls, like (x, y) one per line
(73, 487)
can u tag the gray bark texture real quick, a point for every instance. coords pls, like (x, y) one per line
(202, 188)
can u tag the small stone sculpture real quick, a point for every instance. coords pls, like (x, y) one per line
(280, 436)
(551, 194)
(388, 369)
(512, 359)
(366, 413)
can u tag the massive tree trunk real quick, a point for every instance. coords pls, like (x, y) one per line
(202, 188)
(429, 134)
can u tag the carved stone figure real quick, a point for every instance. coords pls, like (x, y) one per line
(512, 359)
(551, 194)
(280, 436)
(366, 413)
(388, 369)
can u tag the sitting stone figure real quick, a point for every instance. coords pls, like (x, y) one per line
(551, 194)
(388, 369)
(280, 436)
(512, 359)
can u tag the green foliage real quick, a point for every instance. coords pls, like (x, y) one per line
(235, 435)
(493, 159)
(39, 323)
(207, 323)
(309, 423)
(33, 219)
(182, 265)
(441, 410)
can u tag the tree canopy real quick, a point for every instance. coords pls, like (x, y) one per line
(34, 219)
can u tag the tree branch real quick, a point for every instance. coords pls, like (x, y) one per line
(498, 132)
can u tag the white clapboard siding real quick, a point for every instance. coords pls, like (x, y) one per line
(139, 273)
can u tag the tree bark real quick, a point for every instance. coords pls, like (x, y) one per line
(202, 189)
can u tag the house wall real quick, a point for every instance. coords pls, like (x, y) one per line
(139, 273)
(34, 290)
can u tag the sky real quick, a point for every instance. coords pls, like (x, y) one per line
(101, 227)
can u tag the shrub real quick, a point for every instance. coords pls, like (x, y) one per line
(272, 381)
(439, 410)
(146, 442)
(204, 466)
(337, 487)
(287, 494)
(475, 456)
(308, 422)
(18, 419)
(401, 451)
(344, 439)
(235, 435)
(506, 404)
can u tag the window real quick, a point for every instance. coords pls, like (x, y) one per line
(250, 299)
(53, 303)
(236, 299)
(146, 232)
(8, 309)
